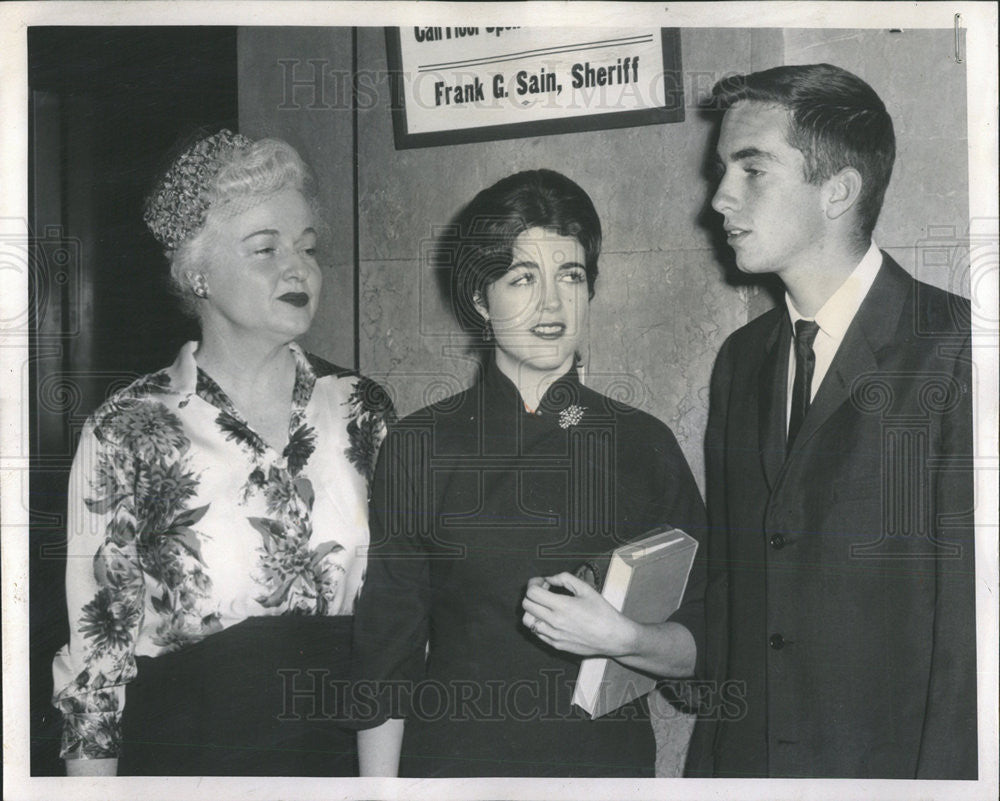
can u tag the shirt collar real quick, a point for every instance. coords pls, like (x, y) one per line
(184, 371)
(835, 316)
(187, 379)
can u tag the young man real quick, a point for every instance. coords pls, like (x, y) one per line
(841, 604)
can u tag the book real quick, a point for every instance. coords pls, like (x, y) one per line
(645, 581)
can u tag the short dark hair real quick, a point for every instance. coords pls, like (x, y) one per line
(482, 243)
(836, 120)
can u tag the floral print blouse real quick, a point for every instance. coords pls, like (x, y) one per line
(183, 521)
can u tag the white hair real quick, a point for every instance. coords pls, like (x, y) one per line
(248, 176)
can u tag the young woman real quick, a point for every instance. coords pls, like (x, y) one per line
(469, 629)
(217, 507)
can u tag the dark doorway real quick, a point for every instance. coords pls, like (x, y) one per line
(107, 107)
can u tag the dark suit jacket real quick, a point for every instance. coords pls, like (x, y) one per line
(841, 603)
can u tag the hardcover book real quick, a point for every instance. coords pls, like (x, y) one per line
(645, 581)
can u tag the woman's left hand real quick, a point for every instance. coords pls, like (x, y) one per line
(576, 619)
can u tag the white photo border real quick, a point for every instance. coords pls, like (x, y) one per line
(979, 21)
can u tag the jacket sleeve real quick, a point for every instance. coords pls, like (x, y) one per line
(105, 593)
(715, 549)
(687, 512)
(949, 743)
(392, 613)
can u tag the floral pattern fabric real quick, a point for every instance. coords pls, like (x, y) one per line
(183, 521)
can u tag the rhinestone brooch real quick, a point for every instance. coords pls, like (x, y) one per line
(571, 415)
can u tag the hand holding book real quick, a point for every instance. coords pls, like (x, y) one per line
(570, 615)
(622, 631)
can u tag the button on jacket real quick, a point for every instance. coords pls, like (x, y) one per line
(841, 595)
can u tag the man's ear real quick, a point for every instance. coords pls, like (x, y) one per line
(842, 190)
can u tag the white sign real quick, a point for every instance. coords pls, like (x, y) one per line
(474, 83)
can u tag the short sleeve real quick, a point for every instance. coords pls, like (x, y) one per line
(371, 413)
(105, 597)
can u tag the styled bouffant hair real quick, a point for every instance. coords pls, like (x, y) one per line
(480, 248)
(212, 179)
(836, 120)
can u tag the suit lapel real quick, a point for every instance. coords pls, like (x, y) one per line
(873, 327)
(771, 400)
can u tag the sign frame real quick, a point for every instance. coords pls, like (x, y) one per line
(670, 46)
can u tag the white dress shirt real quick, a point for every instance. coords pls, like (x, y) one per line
(833, 318)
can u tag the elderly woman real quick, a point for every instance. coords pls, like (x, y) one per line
(218, 507)
(470, 627)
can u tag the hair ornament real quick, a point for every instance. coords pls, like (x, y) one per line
(176, 209)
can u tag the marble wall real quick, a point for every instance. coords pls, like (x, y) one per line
(667, 295)
(663, 304)
(295, 84)
(926, 210)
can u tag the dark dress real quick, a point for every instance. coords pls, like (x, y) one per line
(472, 497)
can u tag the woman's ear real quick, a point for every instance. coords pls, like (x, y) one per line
(197, 282)
(480, 303)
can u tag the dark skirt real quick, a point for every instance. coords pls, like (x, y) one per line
(261, 698)
(563, 742)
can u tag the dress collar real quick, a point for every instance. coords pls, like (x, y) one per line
(502, 399)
